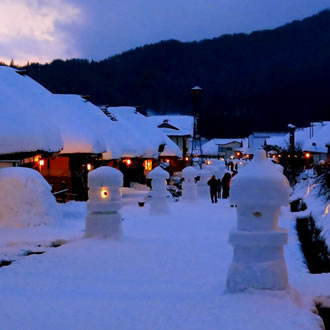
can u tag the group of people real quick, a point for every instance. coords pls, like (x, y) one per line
(219, 185)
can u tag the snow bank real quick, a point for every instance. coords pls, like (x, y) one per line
(25, 199)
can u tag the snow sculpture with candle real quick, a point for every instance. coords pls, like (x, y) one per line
(158, 202)
(103, 219)
(259, 190)
(189, 187)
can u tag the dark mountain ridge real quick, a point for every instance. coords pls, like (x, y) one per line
(258, 81)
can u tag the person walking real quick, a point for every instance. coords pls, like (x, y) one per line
(213, 183)
(226, 185)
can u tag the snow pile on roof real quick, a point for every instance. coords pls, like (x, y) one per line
(211, 147)
(320, 139)
(25, 199)
(257, 140)
(148, 138)
(24, 123)
(81, 124)
(33, 119)
(182, 125)
(312, 139)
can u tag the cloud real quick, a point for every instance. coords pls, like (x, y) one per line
(41, 30)
(34, 30)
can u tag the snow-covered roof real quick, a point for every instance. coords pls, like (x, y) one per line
(211, 147)
(309, 139)
(33, 119)
(320, 138)
(182, 125)
(149, 137)
(24, 123)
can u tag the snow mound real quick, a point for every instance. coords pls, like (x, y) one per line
(25, 199)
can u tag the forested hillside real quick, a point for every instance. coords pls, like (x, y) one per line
(263, 80)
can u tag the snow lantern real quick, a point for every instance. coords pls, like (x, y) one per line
(189, 187)
(158, 202)
(202, 187)
(103, 219)
(258, 190)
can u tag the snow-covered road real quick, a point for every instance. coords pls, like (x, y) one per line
(166, 273)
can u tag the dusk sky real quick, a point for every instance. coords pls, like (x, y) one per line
(42, 30)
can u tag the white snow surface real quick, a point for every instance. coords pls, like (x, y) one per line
(313, 140)
(24, 124)
(26, 199)
(184, 124)
(318, 203)
(212, 147)
(105, 176)
(263, 181)
(166, 273)
(150, 137)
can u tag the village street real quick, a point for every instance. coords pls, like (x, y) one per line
(167, 272)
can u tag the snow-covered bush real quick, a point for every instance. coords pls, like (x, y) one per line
(25, 198)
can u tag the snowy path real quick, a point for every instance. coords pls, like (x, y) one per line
(167, 273)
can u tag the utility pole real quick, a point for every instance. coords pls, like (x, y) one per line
(196, 145)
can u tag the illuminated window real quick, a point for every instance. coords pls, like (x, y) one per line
(147, 164)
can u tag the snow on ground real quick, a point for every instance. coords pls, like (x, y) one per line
(316, 200)
(168, 272)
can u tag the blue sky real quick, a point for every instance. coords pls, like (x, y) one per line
(41, 30)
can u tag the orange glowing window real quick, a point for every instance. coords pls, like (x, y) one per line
(104, 193)
(147, 164)
(41, 162)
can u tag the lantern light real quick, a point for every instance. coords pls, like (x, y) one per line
(208, 162)
(104, 193)
(128, 162)
(238, 153)
(41, 162)
(307, 155)
(167, 160)
(89, 167)
(186, 158)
